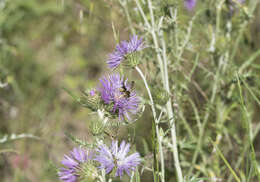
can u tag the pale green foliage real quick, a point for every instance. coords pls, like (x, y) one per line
(198, 52)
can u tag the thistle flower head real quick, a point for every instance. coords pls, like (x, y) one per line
(72, 165)
(116, 158)
(189, 4)
(123, 49)
(90, 99)
(115, 91)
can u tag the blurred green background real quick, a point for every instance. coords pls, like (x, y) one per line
(46, 45)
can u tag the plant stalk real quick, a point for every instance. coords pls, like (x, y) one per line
(159, 137)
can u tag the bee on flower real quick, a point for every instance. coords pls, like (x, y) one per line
(120, 94)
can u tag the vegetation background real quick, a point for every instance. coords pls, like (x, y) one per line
(46, 45)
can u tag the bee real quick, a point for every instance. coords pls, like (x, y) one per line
(125, 92)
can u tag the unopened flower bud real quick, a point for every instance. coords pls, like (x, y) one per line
(89, 173)
(90, 100)
(160, 96)
(132, 60)
(97, 127)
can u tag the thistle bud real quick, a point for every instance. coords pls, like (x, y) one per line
(90, 100)
(97, 127)
(132, 60)
(88, 173)
(108, 107)
(160, 96)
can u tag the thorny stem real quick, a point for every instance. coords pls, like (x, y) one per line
(142, 13)
(163, 69)
(159, 137)
(171, 116)
(124, 5)
(148, 91)
(151, 29)
(163, 62)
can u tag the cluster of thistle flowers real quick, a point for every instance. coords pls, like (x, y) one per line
(80, 164)
(115, 97)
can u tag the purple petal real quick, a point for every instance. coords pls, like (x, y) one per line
(190, 4)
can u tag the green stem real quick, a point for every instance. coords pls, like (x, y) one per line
(227, 164)
(163, 70)
(124, 5)
(252, 8)
(159, 137)
(205, 121)
(171, 116)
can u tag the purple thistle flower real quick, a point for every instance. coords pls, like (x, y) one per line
(189, 4)
(112, 92)
(123, 49)
(72, 164)
(116, 158)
